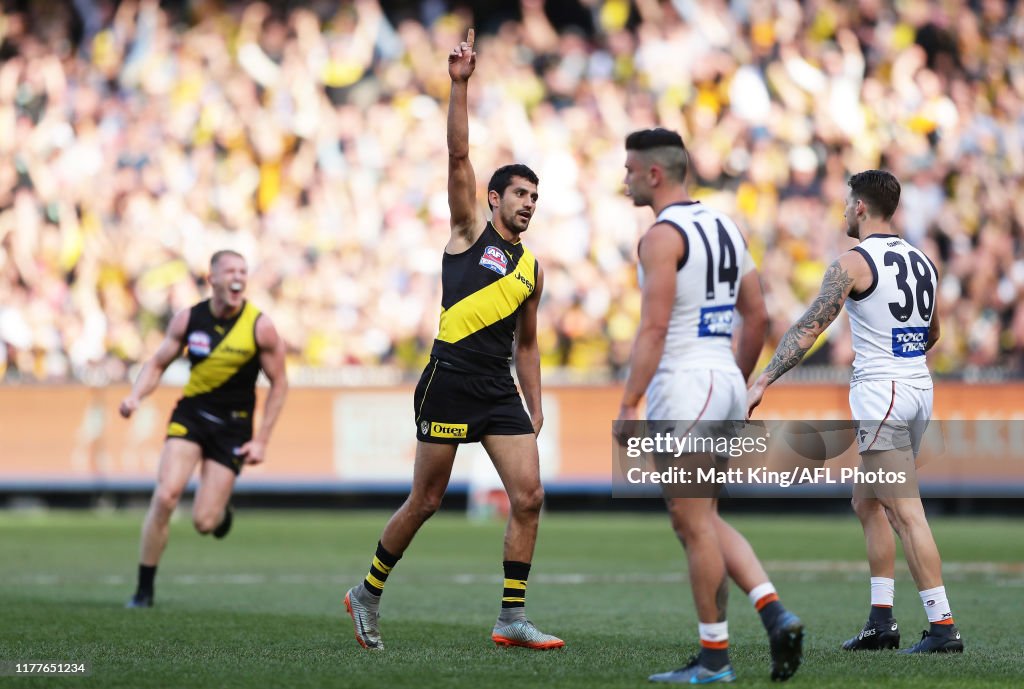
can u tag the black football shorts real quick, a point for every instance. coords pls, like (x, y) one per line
(217, 433)
(453, 406)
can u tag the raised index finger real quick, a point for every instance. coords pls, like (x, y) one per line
(470, 36)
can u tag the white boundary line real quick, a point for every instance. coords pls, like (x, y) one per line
(1006, 573)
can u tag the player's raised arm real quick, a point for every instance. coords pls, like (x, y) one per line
(153, 369)
(272, 351)
(461, 179)
(848, 271)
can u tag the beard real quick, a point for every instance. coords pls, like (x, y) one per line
(639, 200)
(514, 221)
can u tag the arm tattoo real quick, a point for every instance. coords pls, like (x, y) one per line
(821, 313)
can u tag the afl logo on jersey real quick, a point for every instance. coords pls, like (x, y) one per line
(494, 259)
(199, 343)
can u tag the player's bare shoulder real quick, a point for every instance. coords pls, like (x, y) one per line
(858, 268)
(267, 336)
(662, 239)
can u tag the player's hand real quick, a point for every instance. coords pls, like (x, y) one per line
(627, 412)
(538, 423)
(754, 395)
(128, 406)
(252, 452)
(462, 59)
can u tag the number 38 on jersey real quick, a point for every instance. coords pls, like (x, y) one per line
(891, 319)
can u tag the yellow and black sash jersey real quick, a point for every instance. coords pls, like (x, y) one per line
(482, 290)
(225, 361)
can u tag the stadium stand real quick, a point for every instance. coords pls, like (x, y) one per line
(136, 138)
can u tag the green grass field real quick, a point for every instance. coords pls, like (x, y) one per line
(263, 607)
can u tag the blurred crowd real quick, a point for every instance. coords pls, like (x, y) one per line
(136, 139)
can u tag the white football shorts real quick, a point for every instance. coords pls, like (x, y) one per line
(890, 414)
(697, 395)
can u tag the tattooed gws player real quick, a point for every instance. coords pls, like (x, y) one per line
(889, 289)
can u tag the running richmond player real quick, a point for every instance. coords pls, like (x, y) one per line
(491, 286)
(229, 341)
(889, 288)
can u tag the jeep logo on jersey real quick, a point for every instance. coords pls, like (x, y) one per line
(909, 342)
(522, 279)
(494, 259)
(716, 321)
(448, 430)
(199, 343)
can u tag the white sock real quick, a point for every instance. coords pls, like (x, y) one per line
(935, 604)
(716, 631)
(883, 590)
(760, 591)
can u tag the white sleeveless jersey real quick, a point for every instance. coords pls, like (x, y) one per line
(890, 320)
(707, 283)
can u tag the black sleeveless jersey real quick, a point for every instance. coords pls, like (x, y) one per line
(225, 360)
(482, 290)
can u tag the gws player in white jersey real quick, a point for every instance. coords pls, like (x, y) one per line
(891, 288)
(696, 273)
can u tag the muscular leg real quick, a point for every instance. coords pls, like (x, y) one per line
(878, 536)
(215, 485)
(785, 631)
(431, 472)
(740, 561)
(907, 514)
(177, 462)
(694, 521)
(903, 506)
(880, 631)
(517, 461)
(905, 510)
(918, 544)
(746, 570)
(430, 475)
(518, 464)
